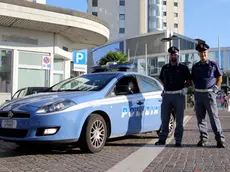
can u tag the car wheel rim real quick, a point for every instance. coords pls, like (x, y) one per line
(171, 124)
(97, 134)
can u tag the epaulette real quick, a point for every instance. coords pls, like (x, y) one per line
(213, 62)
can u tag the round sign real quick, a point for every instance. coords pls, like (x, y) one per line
(46, 60)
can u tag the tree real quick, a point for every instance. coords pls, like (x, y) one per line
(113, 56)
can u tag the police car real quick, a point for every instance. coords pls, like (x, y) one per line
(86, 110)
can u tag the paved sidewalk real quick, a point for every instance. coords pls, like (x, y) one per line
(192, 158)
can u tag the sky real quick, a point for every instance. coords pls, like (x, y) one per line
(204, 19)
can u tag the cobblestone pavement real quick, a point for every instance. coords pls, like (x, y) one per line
(18, 159)
(14, 158)
(192, 158)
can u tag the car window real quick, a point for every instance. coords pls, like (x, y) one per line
(22, 93)
(147, 85)
(16, 94)
(93, 82)
(125, 86)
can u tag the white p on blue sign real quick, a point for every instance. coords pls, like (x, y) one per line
(79, 58)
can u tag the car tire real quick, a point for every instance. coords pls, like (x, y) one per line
(171, 126)
(94, 134)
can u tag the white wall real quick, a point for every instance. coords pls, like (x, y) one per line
(45, 40)
(46, 43)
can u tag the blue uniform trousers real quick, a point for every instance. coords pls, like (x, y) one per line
(169, 102)
(206, 102)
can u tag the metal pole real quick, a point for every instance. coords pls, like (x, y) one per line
(146, 59)
(128, 55)
(219, 58)
(179, 48)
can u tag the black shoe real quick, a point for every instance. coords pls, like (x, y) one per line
(160, 142)
(202, 143)
(220, 144)
(178, 144)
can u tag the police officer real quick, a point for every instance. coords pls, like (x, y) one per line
(207, 78)
(173, 76)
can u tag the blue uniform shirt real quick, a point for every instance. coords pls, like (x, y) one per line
(204, 75)
(174, 76)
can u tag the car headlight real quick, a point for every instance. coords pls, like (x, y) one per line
(56, 106)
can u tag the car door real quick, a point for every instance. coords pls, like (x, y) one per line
(127, 109)
(151, 91)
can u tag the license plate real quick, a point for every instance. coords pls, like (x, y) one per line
(9, 124)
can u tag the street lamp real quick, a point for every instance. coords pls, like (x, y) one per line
(169, 39)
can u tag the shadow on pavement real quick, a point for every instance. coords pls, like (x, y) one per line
(13, 150)
(209, 130)
(37, 150)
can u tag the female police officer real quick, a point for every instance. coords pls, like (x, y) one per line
(207, 78)
(173, 76)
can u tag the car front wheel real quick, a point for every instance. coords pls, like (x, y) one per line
(94, 134)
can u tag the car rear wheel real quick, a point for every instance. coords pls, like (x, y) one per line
(171, 126)
(94, 134)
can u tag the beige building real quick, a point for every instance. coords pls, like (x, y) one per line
(128, 18)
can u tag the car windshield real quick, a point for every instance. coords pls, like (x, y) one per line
(93, 82)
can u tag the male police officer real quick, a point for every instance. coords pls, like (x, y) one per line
(173, 76)
(207, 78)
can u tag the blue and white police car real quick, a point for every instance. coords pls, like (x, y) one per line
(86, 110)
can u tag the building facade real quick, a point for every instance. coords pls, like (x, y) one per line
(128, 18)
(35, 49)
(149, 53)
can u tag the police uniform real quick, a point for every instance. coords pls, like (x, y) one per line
(173, 98)
(204, 78)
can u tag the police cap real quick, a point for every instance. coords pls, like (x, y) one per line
(202, 47)
(173, 50)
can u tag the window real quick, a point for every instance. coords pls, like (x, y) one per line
(164, 3)
(5, 70)
(90, 82)
(125, 86)
(147, 85)
(94, 3)
(22, 93)
(58, 74)
(175, 4)
(164, 13)
(175, 25)
(122, 30)
(57, 78)
(122, 17)
(165, 25)
(16, 94)
(175, 14)
(30, 66)
(122, 2)
(94, 13)
(38, 78)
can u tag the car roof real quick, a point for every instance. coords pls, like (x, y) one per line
(123, 73)
(118, 72)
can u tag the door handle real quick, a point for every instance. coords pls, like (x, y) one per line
(159, 100)
(140, 102)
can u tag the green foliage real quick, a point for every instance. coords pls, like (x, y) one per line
(115, 56)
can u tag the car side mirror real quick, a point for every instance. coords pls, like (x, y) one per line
(122, 90)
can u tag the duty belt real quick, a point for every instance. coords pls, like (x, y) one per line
(173, 92)
(203, 90)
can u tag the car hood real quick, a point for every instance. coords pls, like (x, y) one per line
(35, 101)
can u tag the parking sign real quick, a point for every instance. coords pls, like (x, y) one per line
(79, 58)
(46, 62)
(80, 61)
